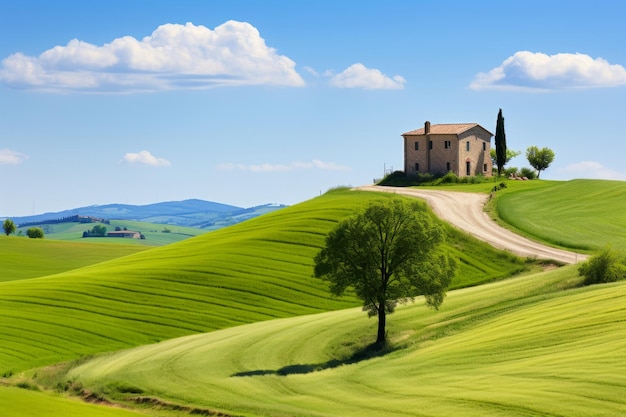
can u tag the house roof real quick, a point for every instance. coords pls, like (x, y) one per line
(446, 129)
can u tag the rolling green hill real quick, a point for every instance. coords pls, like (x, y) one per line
(578, 214)
(528, 346)
(254, 271)
(232, 321)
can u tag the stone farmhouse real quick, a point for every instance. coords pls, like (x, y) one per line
(462, 148)
(125, 233)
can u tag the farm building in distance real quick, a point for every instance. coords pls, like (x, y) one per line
(462, 148)
(124, 233)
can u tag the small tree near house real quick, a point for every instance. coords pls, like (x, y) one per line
(540, 159)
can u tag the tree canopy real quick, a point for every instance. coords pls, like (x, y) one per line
(510, 154)
(540, 159)
(500, 141)
(35, 233)
(388, 253)
(8, 226)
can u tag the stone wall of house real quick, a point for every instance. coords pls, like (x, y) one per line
(438, 154)
(478, 155)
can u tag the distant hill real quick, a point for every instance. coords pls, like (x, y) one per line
(191, 213)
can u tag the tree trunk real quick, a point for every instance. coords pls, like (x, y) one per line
(382, 319)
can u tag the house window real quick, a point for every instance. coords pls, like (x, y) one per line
(467, 146)
(448, 144)
(484, 146)
(430, 144)
(468, 165)
(448, 166)
(485, 167)
(417, 167)
(417, 146)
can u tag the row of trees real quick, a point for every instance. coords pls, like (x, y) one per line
(540, 159)
(9, 227)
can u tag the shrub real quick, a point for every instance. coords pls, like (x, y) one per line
(449, 178)
(27, 385)
(606, 266)
(478, 179)
(400, 179)
(499, 186)
(426, 177)
(529, 173)
(34, 233)
(510, 171)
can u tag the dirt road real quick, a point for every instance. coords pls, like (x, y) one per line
(465, 211)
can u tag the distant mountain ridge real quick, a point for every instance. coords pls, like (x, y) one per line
(192, 213)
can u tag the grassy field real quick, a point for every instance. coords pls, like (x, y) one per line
(578, 214)
(254, 271)
(232, 321)
(23, 258)
(154, 233)
(15, 402)
(529, 346)
(582, 215)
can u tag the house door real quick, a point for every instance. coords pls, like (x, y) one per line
(468, 171)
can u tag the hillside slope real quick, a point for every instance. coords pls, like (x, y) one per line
(466, 211)
(23, 258)
(582, 214)
(527, 346)
(250, 272)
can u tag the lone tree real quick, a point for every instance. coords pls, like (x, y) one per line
(539, 159)
(500, 143)
(8, 226)
(388, 254)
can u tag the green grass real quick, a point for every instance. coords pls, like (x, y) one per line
(15, 402)
(23, 258)
(254, 271)
(153, 232)
(529, 346)
(578, 214)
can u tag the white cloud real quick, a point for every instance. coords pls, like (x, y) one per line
(145, 158)
(540, 72)
(311, 71)
(174, 56)
(591, 170)
(9, 157)
(359, 76)
(316, 163)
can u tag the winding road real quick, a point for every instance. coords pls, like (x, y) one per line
(465, 211)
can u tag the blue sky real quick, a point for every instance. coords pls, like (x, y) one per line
(254, 102)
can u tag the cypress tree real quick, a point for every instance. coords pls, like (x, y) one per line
(500, 143)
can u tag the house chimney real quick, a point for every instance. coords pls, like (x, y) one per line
(426, 127)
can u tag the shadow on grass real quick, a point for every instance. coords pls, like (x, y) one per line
(369, 352)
